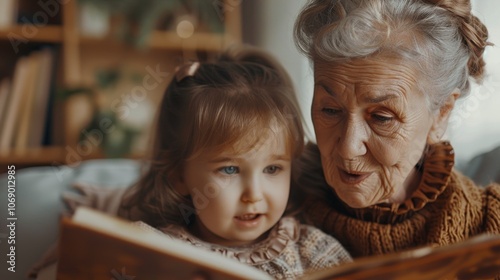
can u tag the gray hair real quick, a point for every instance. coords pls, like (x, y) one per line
(444, 41)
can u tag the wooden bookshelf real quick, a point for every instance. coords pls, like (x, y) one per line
(164, 40)
(170, 41)
(44, 34)
(81, 55)
(42, 156)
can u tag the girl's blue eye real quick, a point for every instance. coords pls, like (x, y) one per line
(230, 170)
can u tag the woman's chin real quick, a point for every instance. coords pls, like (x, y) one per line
(355, 200)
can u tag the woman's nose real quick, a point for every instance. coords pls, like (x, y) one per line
(352, 141)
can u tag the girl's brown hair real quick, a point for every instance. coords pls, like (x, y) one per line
(239, 96)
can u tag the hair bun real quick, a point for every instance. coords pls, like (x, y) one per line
(474, 32)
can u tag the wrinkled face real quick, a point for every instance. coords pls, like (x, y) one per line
(371, 124)
(239, 196)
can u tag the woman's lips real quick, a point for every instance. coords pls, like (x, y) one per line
(352, 178)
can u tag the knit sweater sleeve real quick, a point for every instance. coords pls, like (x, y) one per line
(492, 209)
(319, 250)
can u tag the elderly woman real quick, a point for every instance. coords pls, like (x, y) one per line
(387, 74)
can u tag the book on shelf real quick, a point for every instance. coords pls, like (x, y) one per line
(20, 141)
(15, 103)
(94, 245)
(43, 98)
(8, 13)
(4, 98)
(36, 118)
(25, 104)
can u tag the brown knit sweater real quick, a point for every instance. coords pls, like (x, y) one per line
(447, 208)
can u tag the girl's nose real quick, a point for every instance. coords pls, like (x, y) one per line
(252, 190)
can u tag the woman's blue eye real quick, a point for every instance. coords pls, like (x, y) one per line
(230, 170)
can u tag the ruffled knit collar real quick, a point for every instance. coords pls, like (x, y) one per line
(280, 236)
(436, 171)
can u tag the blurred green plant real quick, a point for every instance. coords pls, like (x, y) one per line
(119, 141)
(139, 18)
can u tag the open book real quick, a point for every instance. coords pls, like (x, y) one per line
(476, 258)
(94, 245)
(97, 246)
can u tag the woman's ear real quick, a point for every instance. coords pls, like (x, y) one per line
(442, 117)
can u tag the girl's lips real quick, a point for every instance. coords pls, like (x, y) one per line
(352, 178)
(247, 217)
(248, 220)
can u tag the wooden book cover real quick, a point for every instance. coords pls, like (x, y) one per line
(476, 258)
(94, 245)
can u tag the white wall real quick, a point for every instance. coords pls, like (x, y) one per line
(475, 123)
(269, 24)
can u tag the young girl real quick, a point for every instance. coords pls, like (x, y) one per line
(227, 135)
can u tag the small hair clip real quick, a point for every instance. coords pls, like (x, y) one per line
(186, 70)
